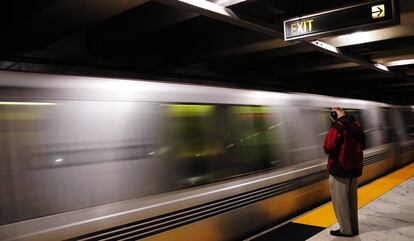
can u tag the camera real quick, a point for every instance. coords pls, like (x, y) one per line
(333, 115)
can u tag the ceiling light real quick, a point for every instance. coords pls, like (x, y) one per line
(400, 62)
(354, 38)
(381, 67)
(357, 37)
(326, 46)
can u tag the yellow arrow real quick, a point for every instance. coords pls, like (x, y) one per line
(378, 11)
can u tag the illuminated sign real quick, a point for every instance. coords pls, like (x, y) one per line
(378, 11)
(363, 16)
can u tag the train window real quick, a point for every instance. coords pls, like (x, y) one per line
(357, 114)
(21, 125)
(323, 124)
(193, 143)
(324, 117)
(411, 125)
(255, 138)
(211, 142)
(389, 134)
(311, 134)
(408, 116)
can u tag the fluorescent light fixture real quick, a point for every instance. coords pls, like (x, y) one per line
(356, 38)
(326, 46)
(400, 62)
(226, 3)
(207, 5)
(381, 67)
(25, 103)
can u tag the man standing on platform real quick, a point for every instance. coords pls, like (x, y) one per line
(344, 144)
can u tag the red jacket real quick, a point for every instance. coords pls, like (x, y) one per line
(344, 144)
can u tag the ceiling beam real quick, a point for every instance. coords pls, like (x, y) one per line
(224, 14)
(247, 49)
(336, 52)
(393, 53)
(392, 90)
(330, 65)
(399, 85)
(162, 17)
(61, 18)
(314, 67)
(410, 72)
(361, 76)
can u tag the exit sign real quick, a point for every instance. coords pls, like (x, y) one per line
(362, 16)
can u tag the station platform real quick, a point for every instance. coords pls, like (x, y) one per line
(386, 212)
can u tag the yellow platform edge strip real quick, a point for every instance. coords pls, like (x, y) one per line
(324, 216)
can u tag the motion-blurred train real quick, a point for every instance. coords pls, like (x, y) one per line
(110, 159)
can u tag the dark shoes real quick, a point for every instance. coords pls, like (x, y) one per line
(339, 234)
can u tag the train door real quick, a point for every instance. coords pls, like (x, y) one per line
(313, 133)
(390, 135)
(292, 131)
(308, 127)
(371, 120)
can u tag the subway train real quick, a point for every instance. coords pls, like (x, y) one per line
(87, 158)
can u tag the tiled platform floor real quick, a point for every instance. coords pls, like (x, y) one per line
(390, 217)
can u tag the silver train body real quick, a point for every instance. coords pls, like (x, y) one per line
(111, 159)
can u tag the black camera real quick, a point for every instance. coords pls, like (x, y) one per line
(333, 115)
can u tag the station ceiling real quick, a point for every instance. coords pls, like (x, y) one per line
(236, 43)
